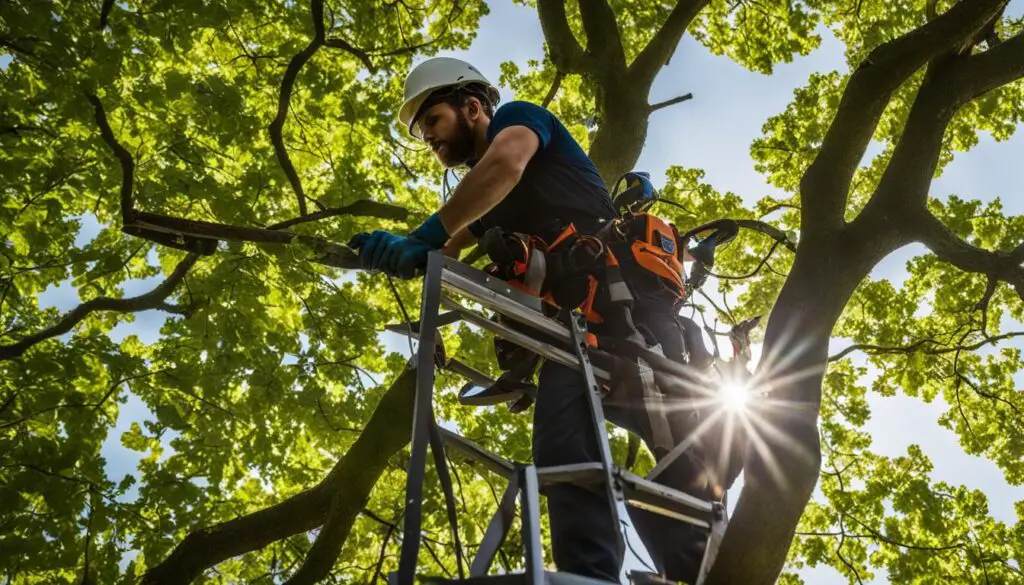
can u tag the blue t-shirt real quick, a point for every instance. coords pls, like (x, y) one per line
(559, 185)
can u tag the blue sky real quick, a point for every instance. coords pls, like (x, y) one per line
(713, 131)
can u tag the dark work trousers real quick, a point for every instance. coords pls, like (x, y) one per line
(583, 539)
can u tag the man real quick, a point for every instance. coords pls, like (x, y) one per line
(526, 171)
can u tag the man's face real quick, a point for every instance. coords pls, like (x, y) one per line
(446, 131)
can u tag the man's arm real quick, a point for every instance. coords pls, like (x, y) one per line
(460, 241)
(491, 180)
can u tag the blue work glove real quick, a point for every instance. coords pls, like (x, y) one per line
(398, 256)
(394, 255)
(373, 248)
(431, 233)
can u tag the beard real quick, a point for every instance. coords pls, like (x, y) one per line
(459, 149)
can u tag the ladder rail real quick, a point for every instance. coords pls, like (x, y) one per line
(422, 420)
(446, 277)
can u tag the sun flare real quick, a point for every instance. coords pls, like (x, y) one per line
(734, 396)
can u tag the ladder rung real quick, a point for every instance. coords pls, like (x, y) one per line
(547, 350)
(471, 450)
(647, 486)
(639, 492)
(575, 473)
(647, 495)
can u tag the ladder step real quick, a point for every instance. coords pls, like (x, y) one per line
(550, 578)
(574, 473)
(639, 492)
(647, 495)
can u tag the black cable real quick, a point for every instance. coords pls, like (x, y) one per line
(625, 536)
(405, 314)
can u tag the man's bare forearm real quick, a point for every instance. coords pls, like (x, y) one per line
(477, 193)
(491, 180)
(459, 242)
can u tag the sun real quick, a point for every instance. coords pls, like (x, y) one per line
(734, 396)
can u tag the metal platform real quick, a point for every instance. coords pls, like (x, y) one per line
(457, 287)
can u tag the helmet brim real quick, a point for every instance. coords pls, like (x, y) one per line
(407, 113)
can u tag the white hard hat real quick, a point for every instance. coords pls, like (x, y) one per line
(434, 74)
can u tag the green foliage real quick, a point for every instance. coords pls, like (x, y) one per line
(268, 366)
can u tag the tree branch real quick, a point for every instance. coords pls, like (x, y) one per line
(671, 102)
(363, 56)
(768, 230)
(1007, 266)
(909, 173)
(565, 51)
(998, 66)
(151, 300)
(188, 234)
(826, 183)
(917, 345)
(349, 482)
(555, 85)
(363, 208)
(753, 272)
(660, 48)
(949, 83)
(122, 154)
(392, 526)
(108, 5)
(287, 83)
(93, 405)
(603, 39)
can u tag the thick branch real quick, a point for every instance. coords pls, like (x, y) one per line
(661, 47)
(566, 53)
(949, 84)
(352, 479)
(991, 69)
(152, 300)
(122, 154)
(363, 207)
(826, 183)
(1007, 266)
(908, 175)
(603, 39)
(287, 83)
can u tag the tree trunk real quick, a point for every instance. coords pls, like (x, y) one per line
(783, 461)
(619, 140)
(350, 481)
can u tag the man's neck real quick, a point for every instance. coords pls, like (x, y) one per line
(480, 142)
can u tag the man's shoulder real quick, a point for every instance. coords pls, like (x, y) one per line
(522, 106)
(519, 112)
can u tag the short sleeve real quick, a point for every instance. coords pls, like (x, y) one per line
(519, 113)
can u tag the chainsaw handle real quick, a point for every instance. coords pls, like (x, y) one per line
(724, 232)
(704, 252)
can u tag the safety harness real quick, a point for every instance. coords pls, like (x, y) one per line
(637, 257)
